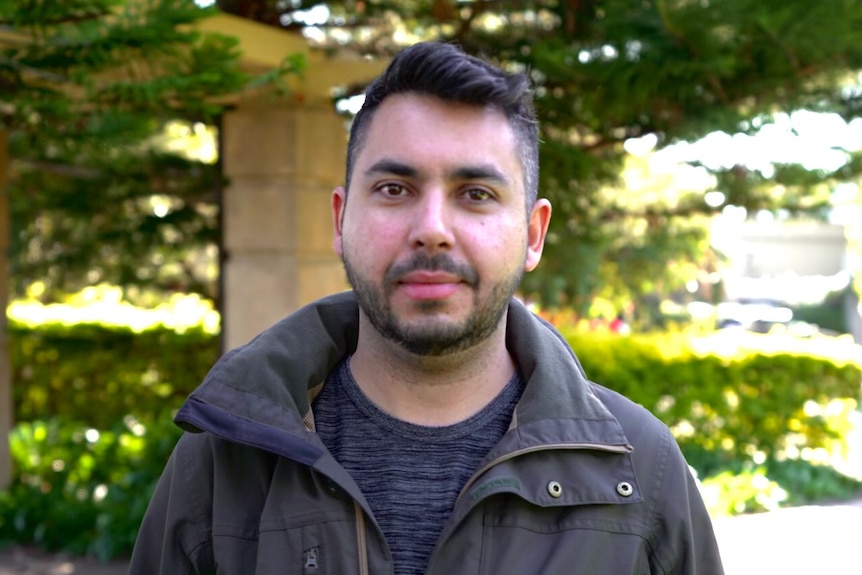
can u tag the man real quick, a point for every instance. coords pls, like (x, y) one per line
(425, 422)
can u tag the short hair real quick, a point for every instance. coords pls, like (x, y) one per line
(444, 71)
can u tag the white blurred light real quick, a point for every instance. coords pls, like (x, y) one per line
(714, 198)
(351, 105)
(640, 146)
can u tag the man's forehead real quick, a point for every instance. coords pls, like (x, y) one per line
(395, 122)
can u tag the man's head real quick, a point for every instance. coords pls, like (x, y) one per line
(447, 73)
(440, 226)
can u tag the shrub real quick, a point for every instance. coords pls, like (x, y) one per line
(83, 490)
(743, 405)
(96, 375)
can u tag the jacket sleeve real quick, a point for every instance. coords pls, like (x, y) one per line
(175, 535)
(683, 539)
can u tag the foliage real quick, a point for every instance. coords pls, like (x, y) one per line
(733, 486)
(80, 489)
(730, 493)
(86, 88)
(607, 71)
(828, 315)
(95, 375)
(742, 405)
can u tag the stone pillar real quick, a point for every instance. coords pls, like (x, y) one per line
(6, 412)
(282, 163)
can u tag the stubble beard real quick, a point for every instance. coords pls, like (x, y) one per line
(438, 338)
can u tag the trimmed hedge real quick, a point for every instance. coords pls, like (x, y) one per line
(737, 405)
(95, 375)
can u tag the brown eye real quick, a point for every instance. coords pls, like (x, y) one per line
(392, 190)
(478, 195)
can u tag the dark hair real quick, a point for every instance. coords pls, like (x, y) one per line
(446, 72)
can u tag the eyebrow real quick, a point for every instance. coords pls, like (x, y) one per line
(480, 172)
(394, 167)
(486, 172)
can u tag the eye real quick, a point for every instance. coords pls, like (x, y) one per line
(478, 195)
(392, 190)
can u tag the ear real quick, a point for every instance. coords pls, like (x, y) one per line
(537, 229)
(339, 201)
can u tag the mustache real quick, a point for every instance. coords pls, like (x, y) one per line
(435, 263)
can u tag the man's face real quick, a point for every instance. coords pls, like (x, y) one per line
(434, 237)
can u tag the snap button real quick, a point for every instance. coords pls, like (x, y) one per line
(555, 489)
(625, 488)
(331, 487)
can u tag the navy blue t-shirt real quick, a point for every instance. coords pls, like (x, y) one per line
(410, 474)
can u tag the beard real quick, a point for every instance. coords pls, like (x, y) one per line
(438, 338)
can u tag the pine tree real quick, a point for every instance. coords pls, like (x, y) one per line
(85, 86)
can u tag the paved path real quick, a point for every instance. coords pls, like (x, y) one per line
(19, 561)
(811, 540)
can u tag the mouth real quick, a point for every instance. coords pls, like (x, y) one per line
(429, 277)
(429, 285)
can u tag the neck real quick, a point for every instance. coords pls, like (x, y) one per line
(431, 391)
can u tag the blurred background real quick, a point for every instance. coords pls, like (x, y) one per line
(166, 165)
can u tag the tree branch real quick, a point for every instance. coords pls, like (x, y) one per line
(73, 19)
(714, 83)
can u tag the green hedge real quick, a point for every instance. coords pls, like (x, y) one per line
(737, 405)
(95, 375)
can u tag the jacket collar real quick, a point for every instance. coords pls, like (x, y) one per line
(269, 379)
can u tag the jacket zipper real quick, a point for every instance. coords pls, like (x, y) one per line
(596, 446)
(361, 539)
(310, 562)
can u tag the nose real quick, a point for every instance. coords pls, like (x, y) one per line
(432, 226)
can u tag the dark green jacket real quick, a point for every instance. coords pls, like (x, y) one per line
(584, 482)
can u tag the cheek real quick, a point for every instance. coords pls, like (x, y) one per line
(371, 240)
(498, 241)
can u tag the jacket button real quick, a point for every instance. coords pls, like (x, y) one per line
(625, 488)
(555, 489)
(331, 487)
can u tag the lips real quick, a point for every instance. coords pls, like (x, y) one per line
(429, 285)
(429, 277)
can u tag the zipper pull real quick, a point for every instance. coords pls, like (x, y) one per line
(310, 560)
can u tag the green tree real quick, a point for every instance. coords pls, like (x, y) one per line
(609, 70)
(85, 85)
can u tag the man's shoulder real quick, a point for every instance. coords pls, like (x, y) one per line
(203, 454)
(641, 427)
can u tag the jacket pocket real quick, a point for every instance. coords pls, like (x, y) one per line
(575, 551)
(522, 539)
